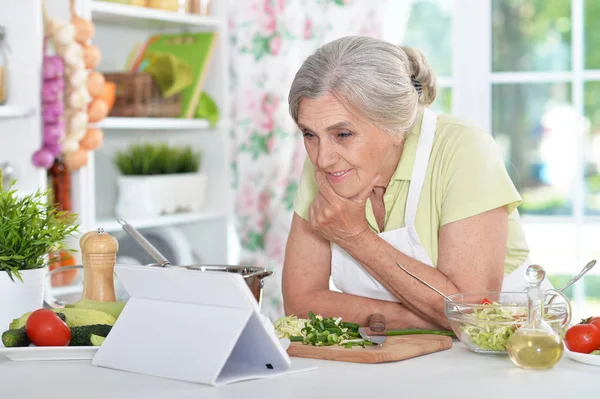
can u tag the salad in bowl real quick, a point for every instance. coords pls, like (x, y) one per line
(484, 322)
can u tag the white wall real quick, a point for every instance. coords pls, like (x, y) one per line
(19, 136)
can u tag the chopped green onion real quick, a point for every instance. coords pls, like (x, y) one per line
(412, 331)
(320, 331)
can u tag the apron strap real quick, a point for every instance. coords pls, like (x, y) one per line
(422, 155)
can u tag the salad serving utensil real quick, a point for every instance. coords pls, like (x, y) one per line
(425, 283)
(576, 278)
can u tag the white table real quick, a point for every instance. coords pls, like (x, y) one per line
(455, 373)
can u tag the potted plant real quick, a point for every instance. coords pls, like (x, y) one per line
(159, 179)
(32, 232)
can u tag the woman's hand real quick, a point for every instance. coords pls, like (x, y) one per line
(338, 219)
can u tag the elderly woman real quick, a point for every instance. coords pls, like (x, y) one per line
(388, 183)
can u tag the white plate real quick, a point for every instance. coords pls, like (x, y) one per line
(34, 353)
(594, 360)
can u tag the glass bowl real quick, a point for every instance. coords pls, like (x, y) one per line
(486, 328)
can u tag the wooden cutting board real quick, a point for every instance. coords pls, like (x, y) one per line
(393, 349)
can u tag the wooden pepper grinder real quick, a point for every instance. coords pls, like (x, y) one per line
(99, 255)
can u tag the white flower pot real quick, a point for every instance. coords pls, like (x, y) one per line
(150, 196)
(19, 297)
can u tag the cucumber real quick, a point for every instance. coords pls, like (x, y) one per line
(82, 335)
(97, 340)
(15, 338)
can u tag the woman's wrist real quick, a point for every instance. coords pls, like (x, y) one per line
(416, 321)
(360, 243)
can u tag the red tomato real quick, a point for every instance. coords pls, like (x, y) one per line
(583, 338)
(486, 301)
(594, 320)
(45, 328)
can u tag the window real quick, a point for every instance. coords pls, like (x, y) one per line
(433, 39)
(529, 72)
(532, 114)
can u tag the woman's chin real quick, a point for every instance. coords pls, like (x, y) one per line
(345, 192)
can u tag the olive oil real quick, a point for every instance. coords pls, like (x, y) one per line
(535, 349)
(536, 345)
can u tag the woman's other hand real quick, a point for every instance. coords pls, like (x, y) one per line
(338, 219)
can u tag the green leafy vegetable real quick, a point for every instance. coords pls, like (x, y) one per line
(487, 336)
(498, 324)
(414, 331)
(319, 331)
(289, 326)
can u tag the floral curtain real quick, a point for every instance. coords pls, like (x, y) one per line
(269, 39)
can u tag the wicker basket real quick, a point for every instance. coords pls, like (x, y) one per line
(138, 95)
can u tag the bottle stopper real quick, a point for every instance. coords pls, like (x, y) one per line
(535, 274)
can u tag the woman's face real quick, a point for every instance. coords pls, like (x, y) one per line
(346, 146)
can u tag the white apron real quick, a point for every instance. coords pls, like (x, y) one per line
(350, 277)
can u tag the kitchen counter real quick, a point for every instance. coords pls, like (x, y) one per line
(455, 373)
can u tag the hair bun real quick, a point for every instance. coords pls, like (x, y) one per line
(422, 75)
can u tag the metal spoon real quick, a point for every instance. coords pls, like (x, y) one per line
(456, 306)
(586, 269)
(424, 283)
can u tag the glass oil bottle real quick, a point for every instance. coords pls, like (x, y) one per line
(535, 345)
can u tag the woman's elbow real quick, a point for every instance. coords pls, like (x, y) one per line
(293, 303)
(295, 307)
(298, 303)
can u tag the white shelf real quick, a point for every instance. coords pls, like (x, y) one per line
(112, 225)
(149, 18)
(8, 111)
(153, 124)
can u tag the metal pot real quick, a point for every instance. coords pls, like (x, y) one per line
(252, 275)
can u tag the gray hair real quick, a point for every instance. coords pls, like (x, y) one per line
(376, 78)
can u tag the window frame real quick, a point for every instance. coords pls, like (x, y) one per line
(472, 80)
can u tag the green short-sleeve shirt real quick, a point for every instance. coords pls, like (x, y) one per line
(466, 176)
